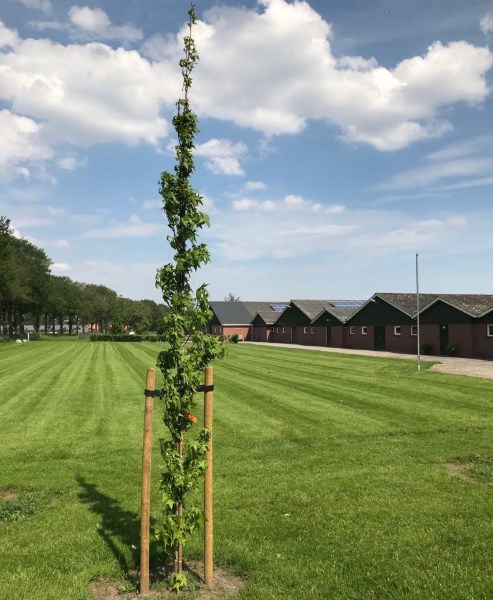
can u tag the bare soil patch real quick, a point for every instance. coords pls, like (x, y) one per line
(461, 470)
(9, 494)
(225, 586)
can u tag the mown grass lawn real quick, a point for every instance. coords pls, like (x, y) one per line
(331, 476)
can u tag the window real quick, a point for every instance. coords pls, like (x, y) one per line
(414, 330)
(397, 330)
(272, 329)
(489, 330)
(312, 330)
(352, 330)
(213, 330)
(364, 330)
(305, 329)
(277, 329)
(284, 329)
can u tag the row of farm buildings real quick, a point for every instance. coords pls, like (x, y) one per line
(449, 324)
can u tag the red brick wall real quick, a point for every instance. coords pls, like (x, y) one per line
(320, 335)
(261, 333)
(404, 343)
(305, 339)
(281, 334)
(460, 336)
(358, 340)
(482, 344)
(430, 334)
(243, 330)
(337, 335)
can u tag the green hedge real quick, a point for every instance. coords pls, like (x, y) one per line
(124, 337)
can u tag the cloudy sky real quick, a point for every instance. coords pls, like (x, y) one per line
(337, 140)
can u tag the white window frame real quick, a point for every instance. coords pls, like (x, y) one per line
(397, 330)
(272, 329)
(305, 329)
(414, 330)
(364, 330)
(489, 330)
(352, 330)
(284, 329)
(277, 329)
(312, 330)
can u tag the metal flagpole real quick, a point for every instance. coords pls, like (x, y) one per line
(418, 365)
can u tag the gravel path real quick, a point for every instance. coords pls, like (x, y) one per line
(446, 364)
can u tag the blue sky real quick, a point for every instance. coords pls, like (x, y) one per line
(337, 140)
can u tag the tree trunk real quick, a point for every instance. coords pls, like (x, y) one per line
(36, 323)
(10, 323)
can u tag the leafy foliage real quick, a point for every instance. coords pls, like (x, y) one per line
(29, 291)
(190, 349)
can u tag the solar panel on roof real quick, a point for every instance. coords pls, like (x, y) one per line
(278, 307)
(347, 303)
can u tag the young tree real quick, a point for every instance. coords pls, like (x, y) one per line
(190, 350)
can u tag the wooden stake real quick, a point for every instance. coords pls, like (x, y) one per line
(208, 508)
(179, 552)
(146, 485)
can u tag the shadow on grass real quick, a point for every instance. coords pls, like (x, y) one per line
(119, 528)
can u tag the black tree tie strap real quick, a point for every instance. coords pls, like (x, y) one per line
(154, 393)
(205, 388)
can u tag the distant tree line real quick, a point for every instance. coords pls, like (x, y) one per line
(30, 294)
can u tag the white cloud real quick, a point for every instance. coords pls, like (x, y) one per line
(291, 202)
(149, 204)
(433, 173)
(244, 204)
(47, 25)
(61, 243)
(70, 163)
(43, 5)
(279, 72)
(486, 23)
(8, 37)
(20, 145)
(117, 99)
(334, 209)
(96, 23)
(61, 267)
(55, 212)
(94, 20)
(223, 156)
(417, 234)
(333, 231)
(134, 228)
(255, 185)
(482, 143)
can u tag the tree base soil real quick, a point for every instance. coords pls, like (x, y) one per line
(225, 586)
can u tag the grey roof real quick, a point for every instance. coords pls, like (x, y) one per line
(231, 313)
(243, 312)
(406, 303)
(474, 305)
(311, 308)
(314, 308)
(263, 308)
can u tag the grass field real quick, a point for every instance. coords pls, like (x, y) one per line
(331, 476)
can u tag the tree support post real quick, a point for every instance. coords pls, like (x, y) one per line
(208, 508)
(146, 484)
